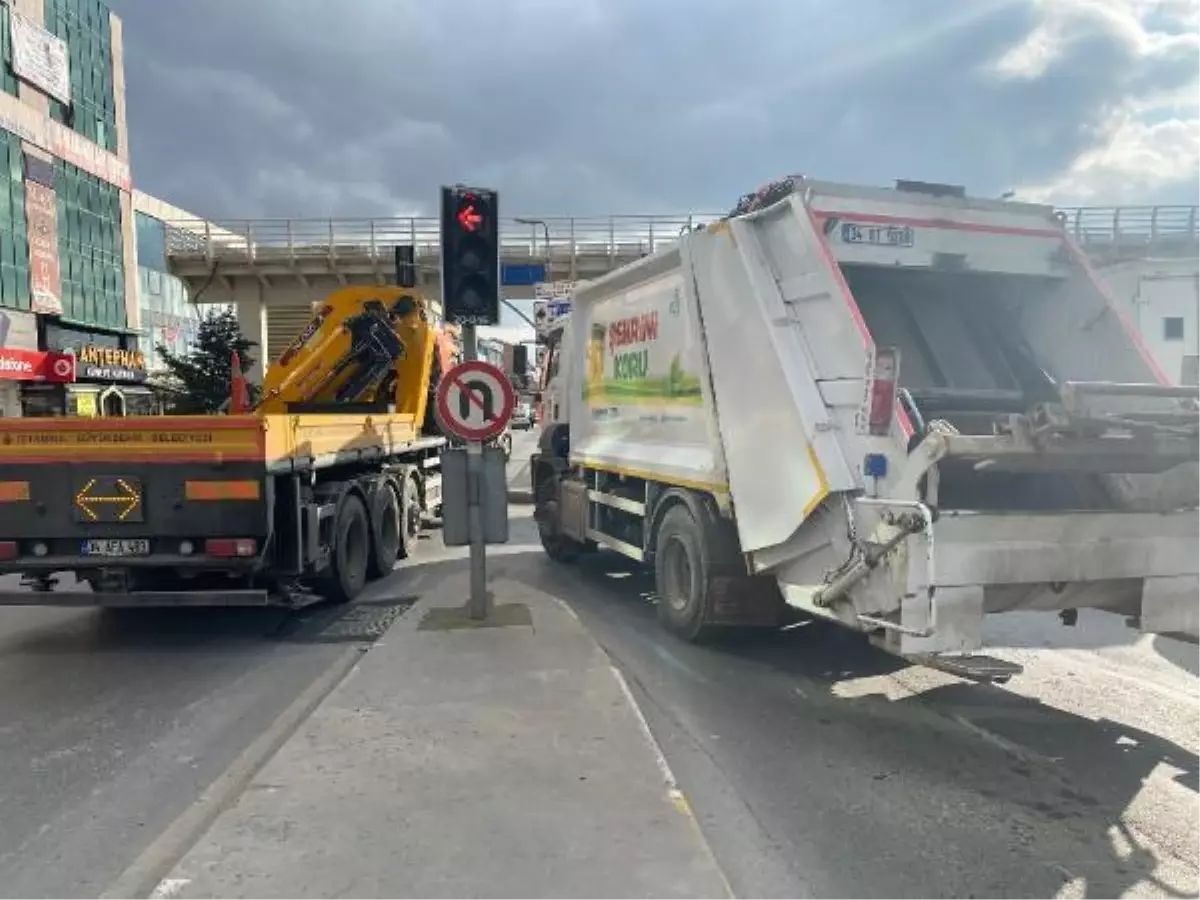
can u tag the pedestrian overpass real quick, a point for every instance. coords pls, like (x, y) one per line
(273, 270)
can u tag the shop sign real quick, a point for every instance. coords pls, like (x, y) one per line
(96, 363)
(40, 57)
(45, 275)
(34, 365)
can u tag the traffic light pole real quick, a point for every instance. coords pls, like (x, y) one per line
(479, 605)
(470, 262)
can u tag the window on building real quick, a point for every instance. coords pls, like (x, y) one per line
(90, 248)
(1172, 328)
(151, 242)
(8, 81)
(85, 26)
(168, 319)
(14, 243)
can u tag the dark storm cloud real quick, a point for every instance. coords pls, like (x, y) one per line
(277, 107)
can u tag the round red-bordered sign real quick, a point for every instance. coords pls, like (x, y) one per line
(475, 401)
(63, 367)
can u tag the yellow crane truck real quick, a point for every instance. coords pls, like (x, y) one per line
(323, 486)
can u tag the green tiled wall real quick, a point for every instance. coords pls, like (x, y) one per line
(14, 246)
(8, 81)
(84, 25)
(90, 248)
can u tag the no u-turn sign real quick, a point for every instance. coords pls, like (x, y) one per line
(475, 401)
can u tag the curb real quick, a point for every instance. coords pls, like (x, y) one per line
(140, 877)
(520, 495)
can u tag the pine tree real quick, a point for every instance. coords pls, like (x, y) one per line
(201, 378)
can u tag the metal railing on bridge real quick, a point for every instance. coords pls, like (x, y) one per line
(1132, 225)
(562, 242)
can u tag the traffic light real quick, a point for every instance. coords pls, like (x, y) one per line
(470, 255)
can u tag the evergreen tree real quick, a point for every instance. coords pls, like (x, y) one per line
(201, 377)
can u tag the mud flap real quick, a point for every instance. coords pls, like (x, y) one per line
(744, 601)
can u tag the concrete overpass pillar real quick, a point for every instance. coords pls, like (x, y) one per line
(251, 307)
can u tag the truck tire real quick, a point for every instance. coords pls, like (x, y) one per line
(557, 545)
(683, 570)
(560, 548)
(347, 572)
(385, 532)
(410, 518)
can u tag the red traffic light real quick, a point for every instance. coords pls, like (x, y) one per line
(469, 218)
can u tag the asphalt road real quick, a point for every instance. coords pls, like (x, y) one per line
(112, 725)
(815, 765)
(819, 766)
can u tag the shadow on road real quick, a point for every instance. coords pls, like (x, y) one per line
(1065, 779)
(118, 630)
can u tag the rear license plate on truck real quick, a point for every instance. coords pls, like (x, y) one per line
(884, 235)
(116, 547)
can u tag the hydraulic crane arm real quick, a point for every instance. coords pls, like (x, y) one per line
(366, 346)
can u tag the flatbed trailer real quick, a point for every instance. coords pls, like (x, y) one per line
(269, 508)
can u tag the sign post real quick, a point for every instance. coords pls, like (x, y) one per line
(474, 403)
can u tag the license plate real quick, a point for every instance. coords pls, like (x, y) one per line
(116, 547)
(883, 235)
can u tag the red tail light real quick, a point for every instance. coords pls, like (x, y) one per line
(881, 399)
(8, 549)
(228, 548)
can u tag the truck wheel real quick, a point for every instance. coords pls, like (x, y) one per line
(557, 545)
(410, 519)
(347, 572)
(560, 548)
(385, 533)
(682, 569)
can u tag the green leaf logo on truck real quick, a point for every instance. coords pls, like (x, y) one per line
(621, 366)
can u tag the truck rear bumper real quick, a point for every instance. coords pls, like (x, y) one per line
(932, 594)
(1015, 548)
(1141, 565)
(146, 599)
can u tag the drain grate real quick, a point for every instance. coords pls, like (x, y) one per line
(361, 623)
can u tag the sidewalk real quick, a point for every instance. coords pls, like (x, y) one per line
(459, 760)
(519, 488)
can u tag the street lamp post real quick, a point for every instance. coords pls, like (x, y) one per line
(546, 242)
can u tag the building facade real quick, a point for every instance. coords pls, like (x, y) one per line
(67, 250)
(168, 318)
(1162, 299)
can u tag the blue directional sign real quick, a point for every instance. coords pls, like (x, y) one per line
(512, 275)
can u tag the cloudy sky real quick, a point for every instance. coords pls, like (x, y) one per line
(247, 108)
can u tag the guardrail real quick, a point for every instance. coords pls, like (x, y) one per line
(1131, 225)
(564, 242)
(559, 241)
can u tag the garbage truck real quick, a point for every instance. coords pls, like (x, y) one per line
(900, 409)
